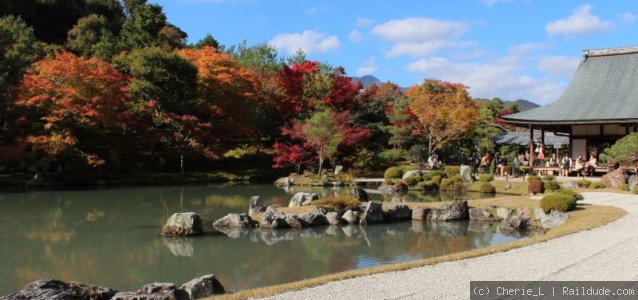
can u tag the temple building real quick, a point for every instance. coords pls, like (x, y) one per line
(599, 106)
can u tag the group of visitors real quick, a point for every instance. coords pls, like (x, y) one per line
(566, 165)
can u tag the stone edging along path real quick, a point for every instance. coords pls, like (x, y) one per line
(604, 253)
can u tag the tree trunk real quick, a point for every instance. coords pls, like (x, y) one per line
(181, 162)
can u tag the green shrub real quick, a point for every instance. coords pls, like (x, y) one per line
(393, 172)
(436, 173)
(597, 185)
(427, 186)
(551, 185)
(450, 171)
(584, 183)
(412, 181)
(531, 178)
(487, 188)
(436, 179)
(576, 196)
(405, 168)
(486, 177)
(535, 187)
(548, 177)
(558, 201)
(624, 187)
(455, 178)
(401, 186)
(448, 185)
(339, 201)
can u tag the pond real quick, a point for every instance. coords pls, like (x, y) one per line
(110, 237)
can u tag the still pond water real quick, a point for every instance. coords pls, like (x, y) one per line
(110, 238)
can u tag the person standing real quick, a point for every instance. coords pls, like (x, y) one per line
(566, 164)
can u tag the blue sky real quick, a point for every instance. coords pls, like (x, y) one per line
(499, 48)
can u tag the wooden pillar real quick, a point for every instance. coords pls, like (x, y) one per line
(531, 148)
(543, 136)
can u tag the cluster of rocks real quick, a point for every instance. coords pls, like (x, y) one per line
(517, 219)
(52, 289)
(183, 224)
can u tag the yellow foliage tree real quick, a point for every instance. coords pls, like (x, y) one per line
(444, 110)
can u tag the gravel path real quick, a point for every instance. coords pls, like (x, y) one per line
(604, 253)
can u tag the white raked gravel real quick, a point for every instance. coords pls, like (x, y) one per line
(608, 252)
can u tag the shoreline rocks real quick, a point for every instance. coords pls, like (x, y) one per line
(183, 224)
(302, 199)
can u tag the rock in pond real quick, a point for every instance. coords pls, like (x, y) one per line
(302, 199)
(398, 212)
(203, 286)
(52, 289)
(483, 214)
(333, 218)
(360, 194)
(513, 223)
(183, 224)
(420, 213)
(255, 206)
(350, 217)
(154, 290)
(457, 210)
(551, 220)
(313, 219)
(272, 219)
(372, 213)
(388, 189)
(235, 221)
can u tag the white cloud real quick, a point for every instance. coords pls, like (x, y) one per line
(355, 36)
(627, 17)
(527, 47)
(417, 30)
(560, 65)
(502, 78)
(369, 67)
(425, 48)
(581, 22)
(309, 41)
(364, 22)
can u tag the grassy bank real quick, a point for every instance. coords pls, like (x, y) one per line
(584, 218)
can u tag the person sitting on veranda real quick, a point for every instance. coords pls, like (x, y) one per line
(590, 166)
(502, 166)
(516, 168)
(566, 164)
(579, 165)
(541, 155)
(553, 161)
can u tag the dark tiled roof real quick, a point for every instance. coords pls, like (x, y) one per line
(603, 90)
(522, 138)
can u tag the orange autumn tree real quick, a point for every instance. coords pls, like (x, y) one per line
(444, 110)
(226, 91)
(72, 107)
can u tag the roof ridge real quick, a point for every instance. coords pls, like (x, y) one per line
(610, 51)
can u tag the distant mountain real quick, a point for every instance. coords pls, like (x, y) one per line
(523, 104)
(367, 80)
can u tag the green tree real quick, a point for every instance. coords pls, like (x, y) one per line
(624, 151)
(208, 40)
(486, 129)
(84, 37)
(320, 131)
(142, 25)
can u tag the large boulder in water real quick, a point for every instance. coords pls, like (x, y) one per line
(398, 212)
(372, 213)
(183, 224)
(235, 221)
(360, 194)
(203, 286)
(513, 223)
(52, 289)
(302, 199)
(350, 217)
(420, 213)
(272, 219)
(313, 219)
(614, 179)
(457, 210)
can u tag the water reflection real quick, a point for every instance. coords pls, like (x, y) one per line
(110, 237)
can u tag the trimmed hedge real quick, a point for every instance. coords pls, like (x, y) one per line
(451, 171)
(436, 173)
(597, 185)
(559, 202)
(551, 185)
(584, 183)
(535, 187)
(436, 179)
(393, 172)
(576, 196)
(548, 177)
(427, 186)
(531, 178)
(412, 181)
(487, 188)
(486, 177)
(401, 186)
